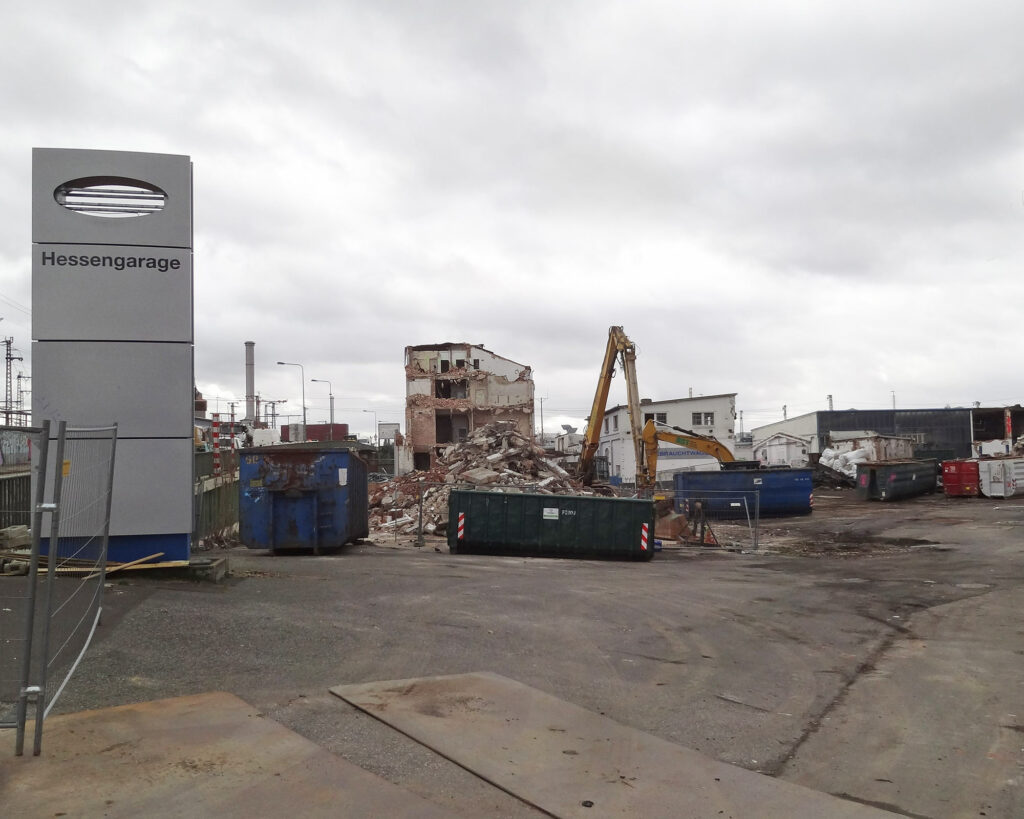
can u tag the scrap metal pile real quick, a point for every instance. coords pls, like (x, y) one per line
(495, 457)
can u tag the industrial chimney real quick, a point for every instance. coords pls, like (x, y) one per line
(250, 381)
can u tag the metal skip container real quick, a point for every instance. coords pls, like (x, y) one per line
(301, 498)
(550, 525)
(1001, 477)
(731, 493)
(960, 478)
(893, 480)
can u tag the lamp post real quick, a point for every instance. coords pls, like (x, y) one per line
(376, 440)
(330, 393)
(302, 373)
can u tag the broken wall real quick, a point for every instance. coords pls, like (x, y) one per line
(453, 389)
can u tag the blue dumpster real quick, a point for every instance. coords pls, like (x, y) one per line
(730, 493)
(301, 498)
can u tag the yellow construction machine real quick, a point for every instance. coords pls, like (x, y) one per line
(645, 436)
(653, 432)
(619, 348)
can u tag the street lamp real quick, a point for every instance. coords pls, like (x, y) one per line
(376, 440)
(302, 373)
(330, 392)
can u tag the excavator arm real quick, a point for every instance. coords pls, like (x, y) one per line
(654, 432)
(619, 348)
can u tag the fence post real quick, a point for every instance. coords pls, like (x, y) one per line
(757, 515)
(51, 576)
(33, 576)
(419, 523)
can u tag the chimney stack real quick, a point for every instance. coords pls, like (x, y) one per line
(250, 381)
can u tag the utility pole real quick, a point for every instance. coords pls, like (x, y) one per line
(783, 412)
(271, 408)
(231, 434)
(8, 391)
(22, 412)
(829, 397)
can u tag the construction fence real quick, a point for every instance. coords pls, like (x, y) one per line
(54, 571)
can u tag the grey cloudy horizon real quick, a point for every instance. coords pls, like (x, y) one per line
(785, 201)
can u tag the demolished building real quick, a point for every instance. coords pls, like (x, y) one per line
(453, 389)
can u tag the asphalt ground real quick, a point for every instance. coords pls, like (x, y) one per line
(788, 661)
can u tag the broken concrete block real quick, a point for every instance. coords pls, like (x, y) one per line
(15, 537)
(480, 475)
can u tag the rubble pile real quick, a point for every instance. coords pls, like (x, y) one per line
(495, 456)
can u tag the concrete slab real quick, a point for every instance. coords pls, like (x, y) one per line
(204, 755)
(572, 762)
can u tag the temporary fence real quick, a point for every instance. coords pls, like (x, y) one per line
(215, 501)
(17, 588)
(727, 519)
(61, 602)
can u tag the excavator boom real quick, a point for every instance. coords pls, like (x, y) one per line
(619, 348)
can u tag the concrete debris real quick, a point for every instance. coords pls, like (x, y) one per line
(15, 537)
(496, 457)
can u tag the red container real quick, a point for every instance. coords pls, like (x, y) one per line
(960, 478)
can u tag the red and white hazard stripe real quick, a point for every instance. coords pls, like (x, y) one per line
(643, 537)
(462, 525)
(215, 442)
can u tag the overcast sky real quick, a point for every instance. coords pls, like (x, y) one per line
(784, 200)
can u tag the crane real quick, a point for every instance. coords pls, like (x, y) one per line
(645, 436)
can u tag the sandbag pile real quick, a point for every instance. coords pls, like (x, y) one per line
(495, 456)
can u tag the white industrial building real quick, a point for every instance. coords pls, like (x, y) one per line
(713, 415)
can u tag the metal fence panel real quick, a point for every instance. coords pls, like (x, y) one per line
(52, 606)
(76, 556)
(19, 548)
(718, 518)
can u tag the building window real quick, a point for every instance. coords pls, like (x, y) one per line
(606, 425)
(695, 419)
(660, 417)
(703, 419)
(445, 364)
(615, 422)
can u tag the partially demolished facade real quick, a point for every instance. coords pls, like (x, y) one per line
(453, 389)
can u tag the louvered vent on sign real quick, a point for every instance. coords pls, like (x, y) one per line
(111, 197)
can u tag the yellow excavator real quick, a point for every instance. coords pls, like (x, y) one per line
(653, 432)
(645, 437)
(619, 348)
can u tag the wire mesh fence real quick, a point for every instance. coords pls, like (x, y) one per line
(56, 603)
(18, 559)
(728, 519)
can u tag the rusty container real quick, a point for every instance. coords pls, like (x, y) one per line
(301, 498)
(960, 478)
